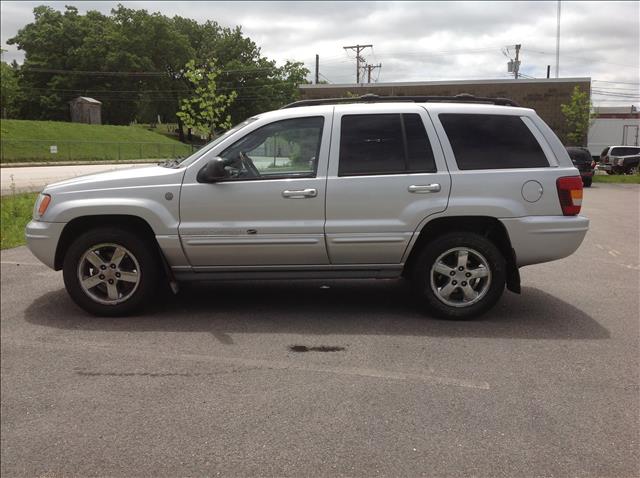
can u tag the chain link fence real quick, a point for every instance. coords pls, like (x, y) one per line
(16, 151)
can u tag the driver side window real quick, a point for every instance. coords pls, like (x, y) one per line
(282, 149)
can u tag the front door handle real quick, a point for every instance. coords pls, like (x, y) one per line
(424, 188)
(299, 193)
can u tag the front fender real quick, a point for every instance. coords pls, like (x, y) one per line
(160, 213)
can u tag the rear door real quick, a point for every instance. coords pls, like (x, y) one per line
(386, 174)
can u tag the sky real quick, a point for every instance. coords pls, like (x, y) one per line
(419, 41)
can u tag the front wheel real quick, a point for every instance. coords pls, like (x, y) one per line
(110, 272)
(460, 275)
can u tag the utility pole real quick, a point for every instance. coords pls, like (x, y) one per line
(317, 68)
(558, 44)
(516, 65)
(548, 71)
(369, 69)
(358, 49)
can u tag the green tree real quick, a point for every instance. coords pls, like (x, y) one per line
(10, 90)
(206, 110)
(577, 114)
(132, 61)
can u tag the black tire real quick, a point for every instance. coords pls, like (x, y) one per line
(610, 172)
(148, 268)
(422, 271)
(587, 182)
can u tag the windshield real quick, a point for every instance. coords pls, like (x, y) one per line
(210, 145)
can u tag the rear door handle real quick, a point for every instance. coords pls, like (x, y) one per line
(424, 188)
(299, 193)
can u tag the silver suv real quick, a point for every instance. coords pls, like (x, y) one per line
(453, 193)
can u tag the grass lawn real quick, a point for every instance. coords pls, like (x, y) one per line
(617, 178)
(24, 141)
(15, 213)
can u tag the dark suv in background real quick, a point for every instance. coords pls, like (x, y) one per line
(582, 160)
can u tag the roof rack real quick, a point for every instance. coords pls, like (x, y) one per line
(372, 98)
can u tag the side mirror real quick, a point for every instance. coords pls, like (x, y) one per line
(213, 171)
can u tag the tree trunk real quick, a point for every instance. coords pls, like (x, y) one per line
(180, 131)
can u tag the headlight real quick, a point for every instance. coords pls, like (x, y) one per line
(42, 203)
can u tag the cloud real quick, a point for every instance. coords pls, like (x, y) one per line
(418, 41)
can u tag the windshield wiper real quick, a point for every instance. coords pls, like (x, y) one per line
(170, 163)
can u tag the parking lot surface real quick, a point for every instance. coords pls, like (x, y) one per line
(333, 378)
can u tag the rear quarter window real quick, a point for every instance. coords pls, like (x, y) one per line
(492, 142)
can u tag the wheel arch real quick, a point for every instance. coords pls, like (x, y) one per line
(79, 225)
(487, 226)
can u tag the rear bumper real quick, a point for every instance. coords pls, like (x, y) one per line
(603, 167)
(537, 239)
(42, 240)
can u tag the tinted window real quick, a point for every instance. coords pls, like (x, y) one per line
(419, 153)
(287, 148)
(579, 154)
(492, 142)
(384, 144)
(624, 151)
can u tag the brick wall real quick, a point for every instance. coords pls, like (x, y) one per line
(544, 96)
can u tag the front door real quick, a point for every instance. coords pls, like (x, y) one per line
(269, 211)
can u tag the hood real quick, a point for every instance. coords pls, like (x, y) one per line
(136, 176)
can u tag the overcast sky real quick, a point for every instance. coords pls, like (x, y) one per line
(420, 41)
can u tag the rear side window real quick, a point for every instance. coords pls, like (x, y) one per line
(624, 151)
(384, 144)
(492, 142)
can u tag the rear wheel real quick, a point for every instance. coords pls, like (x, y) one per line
(111, 271)
(587, 182)
(460, 275)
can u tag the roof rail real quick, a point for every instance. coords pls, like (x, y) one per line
(372, 98)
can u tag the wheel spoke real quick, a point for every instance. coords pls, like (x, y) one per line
(469, 293)
(463, 257)
(442, 268)
(129, 276)
(118, 255)
(94, 259)
(479, 272)
(112, 291)
(447, 290)
(92, 281)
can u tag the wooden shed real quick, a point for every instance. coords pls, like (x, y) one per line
(86, 110)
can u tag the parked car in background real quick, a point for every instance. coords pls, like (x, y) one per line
(582, 160)
(620, 159)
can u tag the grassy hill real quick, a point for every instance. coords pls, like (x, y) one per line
(24, 141)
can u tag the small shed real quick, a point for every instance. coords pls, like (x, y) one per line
(86, 110)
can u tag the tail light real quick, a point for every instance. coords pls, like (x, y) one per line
(606, 160)
(570, 194)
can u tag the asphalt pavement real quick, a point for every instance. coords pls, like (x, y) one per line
(333, 378)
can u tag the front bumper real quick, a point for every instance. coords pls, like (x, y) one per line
(537, 239)
(42, 240)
